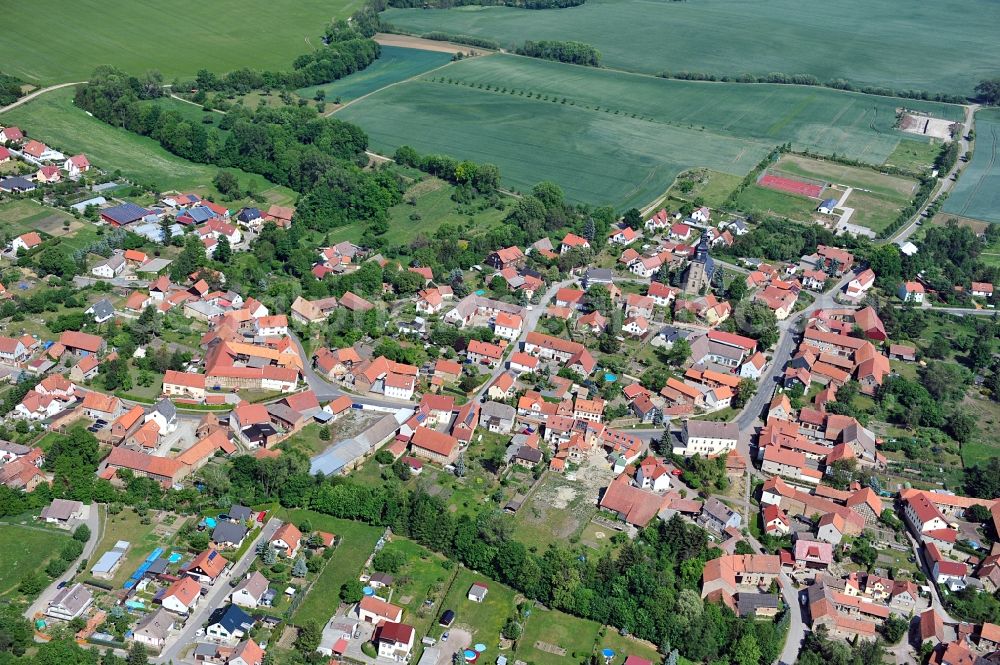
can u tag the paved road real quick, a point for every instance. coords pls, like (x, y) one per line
(94, 524)
(214, 598)
(36, 93)
(957, 311)
(946, 183)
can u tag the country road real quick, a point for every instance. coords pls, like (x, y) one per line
(27, 98)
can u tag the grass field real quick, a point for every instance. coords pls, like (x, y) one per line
(395, 64)
(484, 620)
(433, 204)
(177, 39)
(23, 215)
(984, 445)
(358, 541)
(24, 550)
(763, 200)
(54, 119)
(977, 192)
(423, 577)
(892, 43)
(916, 156)
(711, 186)
(579, 637)
(632, 134)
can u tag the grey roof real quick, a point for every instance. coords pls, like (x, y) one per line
(672, 334)
(339, 456)
(386, 426)
(529, 454)
(249, 214)
(14, 448)
(82, 205)
(383, 578)
(115, 261)
(155, 624)
(502, 412)
(227, 532)
(254, 584)
(704, 428)
(107, 562)
(718, 510)
(240, 513)
(231, 618)
(198, 213)
(600, 275)
(828, 203)
(158, 567)
(16, 184)
(61, 509)
(102, 309)
(749, 603)
(73, 598)
(166, 408)
(205, 308)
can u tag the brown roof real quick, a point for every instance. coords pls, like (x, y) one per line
(151, 464)
(206, 447)
(184, 590)
(210, 562)
(434, 441)
(79, 340)
(381, 608)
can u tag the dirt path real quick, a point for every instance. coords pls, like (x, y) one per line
(407, 41)
(386, 87)
(36, 93)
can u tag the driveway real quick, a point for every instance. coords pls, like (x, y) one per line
(214, 599)
(93, 522)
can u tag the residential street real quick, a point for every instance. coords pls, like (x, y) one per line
(214, 599)
(94, 523)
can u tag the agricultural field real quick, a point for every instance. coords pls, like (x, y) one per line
(394, 64)
(633, 134)
(23, 215)
(893, 44)
(54, 119)
(25, 550)
(358, 542)
(431, 208)
(977, 192)
(916, 156)
(187, 34)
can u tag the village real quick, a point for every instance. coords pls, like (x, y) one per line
(656, 378)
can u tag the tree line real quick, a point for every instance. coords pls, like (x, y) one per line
(520, 4)
(576, 53)
(809, 79)
(10, 89)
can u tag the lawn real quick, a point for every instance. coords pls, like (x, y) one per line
(632, 134)
(357, 543)
(984, 445)
(54, 119)
(916, 156)
(177, 39)
(763, 200)
(433, 208)
(127, 525)
(893, 43)
(24, 550)
(551, 628)
(394, 64)
(977, 192)
(484, 620)
(711, 186)
(423, 577)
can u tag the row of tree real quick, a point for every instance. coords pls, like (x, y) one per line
(520, 4)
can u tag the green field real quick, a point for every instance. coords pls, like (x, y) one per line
(916, 156)
(710, 186)
(358, 542)
(25, 550)
(54, 119)
(127, 525)
(23, 215)
(892, 43)
(769, 201)
(632, 134)
(484, 620)
(435, 207)
(394, 64)
(977, 192)
(176, 38)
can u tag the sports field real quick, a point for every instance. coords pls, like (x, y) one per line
(631, 134)
(395, 64)
(977, 192)
(892, 43)
(54, 43)
(53, 118)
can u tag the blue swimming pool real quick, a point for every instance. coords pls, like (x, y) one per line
(610, 378)
(175, 557)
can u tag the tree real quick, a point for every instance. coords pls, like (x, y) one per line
(679, 352)
(737, 289)
(270, 556)
(744, 391)
(989, 91)
(82, 533)
(351, 591)
(308, 638)
(894, 628)
(223, 251)
(961, 425)
(226, 183)
(511, 629)
(978, 513)
(747, 652)
(300, 569)
(460, 466)
(137, 654)
(983, 480)
(633, 219)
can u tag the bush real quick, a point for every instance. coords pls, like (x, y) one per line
(388, 561)
(384, 457)
(369, 650)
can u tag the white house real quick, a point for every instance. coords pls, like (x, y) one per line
(911, 292)
(636, 326)
(507, 326)
(395, 641)
(702, 215)
(76, 166)
(753, 367)
(707, 438)
(860, 285)
(477, 592)
(399, 386)
(12, 350)
(70, 602)
(287, 539)
(922, 515)
(250, 592)
(153, 629)
(164, 413)
(110, 268)
(652, 475)
(181, 596)
(25, 241)
(228, 624)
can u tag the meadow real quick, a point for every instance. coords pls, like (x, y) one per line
(24, 550)
(176, 38)
(893, 43)
(394, 64)
(54, 119)
(977, 192)
(632, 134)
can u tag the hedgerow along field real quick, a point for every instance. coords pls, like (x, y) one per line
(893, 43)
(609, 137)
(977, 192)
(177, 38)
(394, 64)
